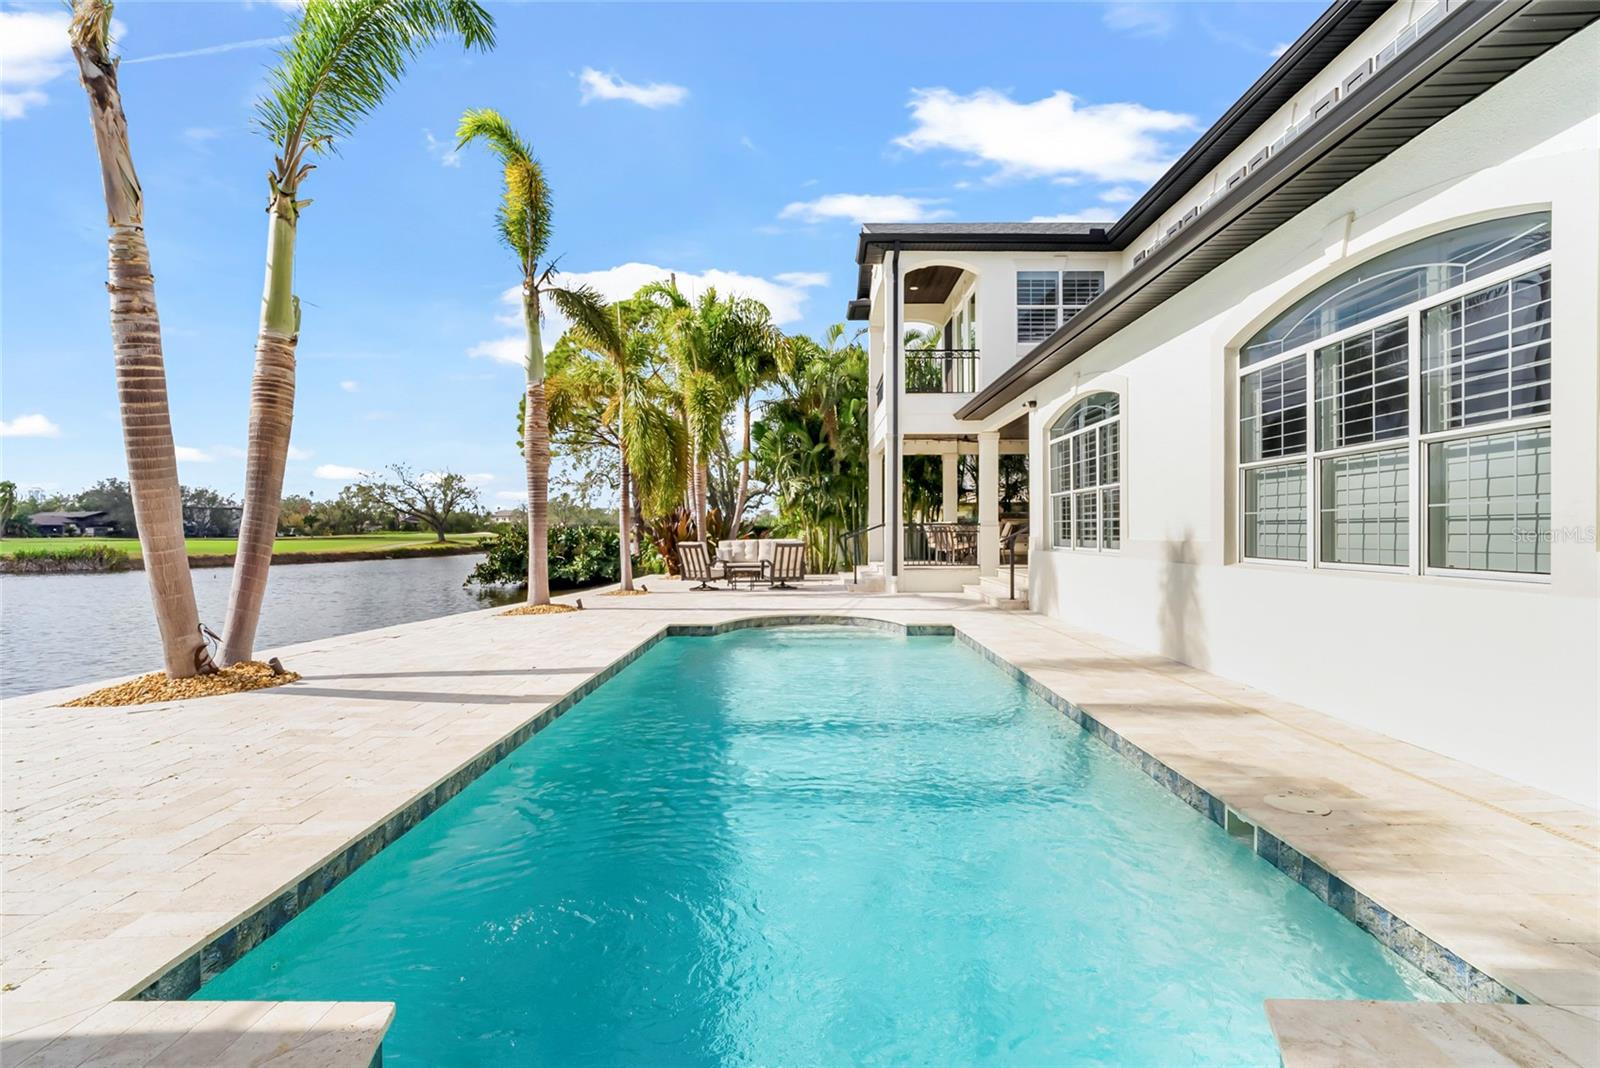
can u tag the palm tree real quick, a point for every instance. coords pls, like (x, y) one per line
(136, 347)
(757, 353)
(604, 391)
(342, 60)
(523, 222)
(702, 334)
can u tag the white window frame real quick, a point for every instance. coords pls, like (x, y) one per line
(1415, 441)
(1064, 310)
(1072, 489)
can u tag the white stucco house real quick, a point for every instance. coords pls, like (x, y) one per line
(1318, 413)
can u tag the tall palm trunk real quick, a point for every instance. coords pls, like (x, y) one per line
(744, 475)
(625, 525)
(271, 419)
(536, 451)
(140, 368)
(702, 489)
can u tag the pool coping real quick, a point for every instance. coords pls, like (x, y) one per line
(1456, 975)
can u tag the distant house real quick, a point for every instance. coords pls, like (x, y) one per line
(69, 524)
(509, 515)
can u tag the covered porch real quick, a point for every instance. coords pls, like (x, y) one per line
(957, 505)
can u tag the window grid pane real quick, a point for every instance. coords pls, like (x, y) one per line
(1111, 518)
(1486, 357)
(1363, 392)
(1085, 528)
(1035, 324)
(1366, 508)
(1038, 288)
(1489, 502)
(1061, 520)
(1272, 407)
(1275, 512)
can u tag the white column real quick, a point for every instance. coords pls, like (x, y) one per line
(894, 442)
(989, 502)
(947, 508)
(875, 505)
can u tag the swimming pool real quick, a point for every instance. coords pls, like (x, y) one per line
(818, 846)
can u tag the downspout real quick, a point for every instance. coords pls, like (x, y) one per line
(892, 488)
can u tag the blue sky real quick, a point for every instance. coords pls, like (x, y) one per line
(737, 143)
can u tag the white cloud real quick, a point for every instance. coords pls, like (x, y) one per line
(350, 385)
(597, 86)
(442, 151)
(299, 454)
(1121, 194)
(1140, 18)
(190, 455)
(33, 52)
(502, 350)
(339, 472)
(863, 208)
(35, 425)
(478, 478)
(1057, 136)
(200, 135)
(211, 50)
(1279, 49)
(511, 495)
(784, 295)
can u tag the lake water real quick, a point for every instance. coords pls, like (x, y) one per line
(56, 630)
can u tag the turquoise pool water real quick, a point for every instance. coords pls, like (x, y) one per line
(818, 846)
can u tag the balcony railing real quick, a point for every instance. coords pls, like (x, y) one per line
(941, 544)
(942, 371)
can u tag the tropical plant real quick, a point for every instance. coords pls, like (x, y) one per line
(811, 444)
(8, 503)
(342, 59)
(136, 347)
(523, 224)
(757, 350)
(703, 334)
(581, 554)
(605, 392)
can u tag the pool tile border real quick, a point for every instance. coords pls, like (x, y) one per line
(1462, 979)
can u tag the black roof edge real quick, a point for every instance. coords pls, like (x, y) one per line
(1299, 155)
(1303, 60)
(858, 311)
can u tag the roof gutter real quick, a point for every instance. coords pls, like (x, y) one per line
(1267, 198)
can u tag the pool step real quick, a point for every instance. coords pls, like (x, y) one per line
(995, 590)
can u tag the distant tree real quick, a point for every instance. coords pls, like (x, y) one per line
(8, 503)
(293, 511)
(431, 499)
(114, 497)
(209, 514)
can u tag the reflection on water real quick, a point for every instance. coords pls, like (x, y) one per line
(56, 630)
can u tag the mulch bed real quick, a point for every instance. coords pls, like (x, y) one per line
(156, 686)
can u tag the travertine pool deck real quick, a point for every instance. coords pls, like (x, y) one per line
(133, 839)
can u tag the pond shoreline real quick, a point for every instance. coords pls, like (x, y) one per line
(24, 565)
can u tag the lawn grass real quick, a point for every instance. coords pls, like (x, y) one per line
(395, 539)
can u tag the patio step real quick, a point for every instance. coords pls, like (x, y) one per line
(995, 590)
(868, 578)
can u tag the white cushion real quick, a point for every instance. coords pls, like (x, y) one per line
(738, 550)
(764, 549)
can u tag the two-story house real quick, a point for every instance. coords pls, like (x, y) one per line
(1318, 412)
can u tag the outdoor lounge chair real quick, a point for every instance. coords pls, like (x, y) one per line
(694, 562)
(788, 562)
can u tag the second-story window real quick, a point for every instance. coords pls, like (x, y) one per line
(1048, 299)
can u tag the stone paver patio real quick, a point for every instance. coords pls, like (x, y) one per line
(135, 837)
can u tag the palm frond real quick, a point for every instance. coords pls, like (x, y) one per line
(90, 28)
(526, 206)
(343, 58)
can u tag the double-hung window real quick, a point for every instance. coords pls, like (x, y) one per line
(1085, 447)
(1398, 417)
(1047, 300)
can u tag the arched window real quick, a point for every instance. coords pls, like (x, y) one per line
(1398, 417)
(1086, 474)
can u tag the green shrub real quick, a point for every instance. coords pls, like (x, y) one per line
(76, 558)
(580, 555)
